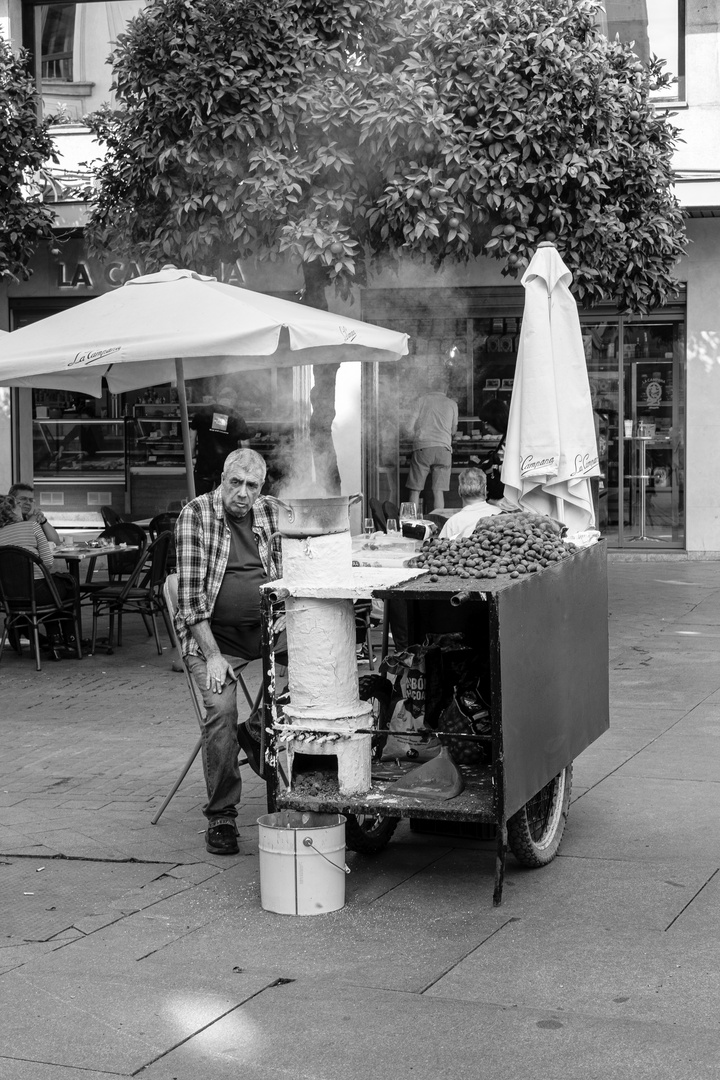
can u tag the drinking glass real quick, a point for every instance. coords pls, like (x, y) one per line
(408, 512)
(391, 525)
(368, 526)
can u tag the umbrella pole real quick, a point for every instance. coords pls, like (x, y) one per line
(185, 425)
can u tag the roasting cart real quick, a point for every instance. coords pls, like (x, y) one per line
(542, 640)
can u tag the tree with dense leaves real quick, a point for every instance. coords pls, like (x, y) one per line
(25, 147)
(347, 134)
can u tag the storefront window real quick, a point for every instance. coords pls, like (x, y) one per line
(656, 28)
(637, 383)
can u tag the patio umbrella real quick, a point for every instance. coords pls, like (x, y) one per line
(177, 324)
(550, 448)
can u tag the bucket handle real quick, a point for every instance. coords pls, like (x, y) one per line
(308, 842)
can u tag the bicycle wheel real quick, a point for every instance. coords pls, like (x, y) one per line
(536, 830)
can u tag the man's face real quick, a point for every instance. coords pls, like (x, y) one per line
(240, 488)
(26, 502)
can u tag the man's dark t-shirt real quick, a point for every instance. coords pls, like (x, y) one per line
(235, 622)
(219, 430)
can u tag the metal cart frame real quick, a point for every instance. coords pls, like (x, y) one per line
(544, 638)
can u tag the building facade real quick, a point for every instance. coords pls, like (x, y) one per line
(656, 494)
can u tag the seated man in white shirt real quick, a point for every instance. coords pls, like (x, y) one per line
(472, 488)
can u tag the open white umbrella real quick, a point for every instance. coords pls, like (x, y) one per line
(550, 447)
(177, 324)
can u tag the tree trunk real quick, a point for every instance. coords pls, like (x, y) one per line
(322, 395)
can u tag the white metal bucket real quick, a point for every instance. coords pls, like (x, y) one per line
(302, 862)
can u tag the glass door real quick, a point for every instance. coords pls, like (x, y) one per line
(653, 437)
(601, 343)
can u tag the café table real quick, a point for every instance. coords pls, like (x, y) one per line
(90, 552)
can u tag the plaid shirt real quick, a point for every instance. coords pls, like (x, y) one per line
(203, 546)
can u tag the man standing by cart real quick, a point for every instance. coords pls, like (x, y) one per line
(227, 547)
(433, 425)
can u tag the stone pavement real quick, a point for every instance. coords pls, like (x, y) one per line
(126, 949)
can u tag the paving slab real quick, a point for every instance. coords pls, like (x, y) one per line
(303, 1031)
(645, 818)
(107, 1021)
(648, 976)
(13, 1069)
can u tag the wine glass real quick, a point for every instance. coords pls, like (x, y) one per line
(408, 512)
(368, 527)
(392, 526)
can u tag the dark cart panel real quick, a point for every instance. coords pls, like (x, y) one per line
(553, 651)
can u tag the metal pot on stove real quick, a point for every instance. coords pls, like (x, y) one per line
(315, 517)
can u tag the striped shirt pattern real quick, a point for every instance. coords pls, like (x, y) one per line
(28, 534)
(202, 537)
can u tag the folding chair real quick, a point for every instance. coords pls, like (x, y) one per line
(170, 592)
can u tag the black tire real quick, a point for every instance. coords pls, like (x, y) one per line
(377, 690)
(365, 833)
(535, 832)
(369, 835)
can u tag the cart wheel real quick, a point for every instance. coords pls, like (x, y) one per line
(377, 690)
(535, 832)
(367, 834)
(363, 832)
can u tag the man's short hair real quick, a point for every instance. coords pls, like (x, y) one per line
(472, 484)
(247, 459)
(20, 486)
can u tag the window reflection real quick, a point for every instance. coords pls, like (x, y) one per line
(72, 46)
(655, 27)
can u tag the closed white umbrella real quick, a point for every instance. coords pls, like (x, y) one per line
(179, 324)
(551, 448)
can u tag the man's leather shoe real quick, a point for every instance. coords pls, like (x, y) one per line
(221, 838)
(250, 747)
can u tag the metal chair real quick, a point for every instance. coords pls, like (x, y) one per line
(19, 601)
(391, 511)
(110, 517)
(170, 593)
(378, 515)
(165, 522)
(363, 628)
(141, 594)
(120, 565)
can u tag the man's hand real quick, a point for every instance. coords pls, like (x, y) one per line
(218, 670)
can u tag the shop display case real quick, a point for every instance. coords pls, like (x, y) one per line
(80, 464)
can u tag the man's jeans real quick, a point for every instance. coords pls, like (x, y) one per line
(220, 747)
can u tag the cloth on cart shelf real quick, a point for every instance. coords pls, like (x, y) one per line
(427, 679)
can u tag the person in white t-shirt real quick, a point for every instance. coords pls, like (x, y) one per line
(433, 425)
(472, 488)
